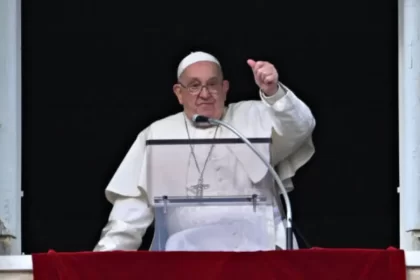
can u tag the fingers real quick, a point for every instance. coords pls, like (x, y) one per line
(264, 73)
(269, 79)
(256, 66)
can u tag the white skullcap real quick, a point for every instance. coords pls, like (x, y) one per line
(193, 58)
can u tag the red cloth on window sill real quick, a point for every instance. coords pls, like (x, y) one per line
(307, 264)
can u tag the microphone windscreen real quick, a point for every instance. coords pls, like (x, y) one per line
(200, 119)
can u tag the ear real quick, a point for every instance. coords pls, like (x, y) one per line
(225, 87)
(177, 90)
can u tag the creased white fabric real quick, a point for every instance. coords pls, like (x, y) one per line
(127, 223)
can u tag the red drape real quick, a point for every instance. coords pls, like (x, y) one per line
(325, 264)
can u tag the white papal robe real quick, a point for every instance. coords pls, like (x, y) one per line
(282, 117)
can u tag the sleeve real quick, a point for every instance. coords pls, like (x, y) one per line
(127, 224)
(131, 214)
(293, 124)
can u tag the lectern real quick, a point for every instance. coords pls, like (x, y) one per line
(227, 207)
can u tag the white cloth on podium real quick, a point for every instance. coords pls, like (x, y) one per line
(283, 117)
(233, 235)
(221, 228)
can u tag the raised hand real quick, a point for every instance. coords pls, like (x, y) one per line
(265, 75)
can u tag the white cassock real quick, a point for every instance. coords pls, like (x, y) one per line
(282, 117)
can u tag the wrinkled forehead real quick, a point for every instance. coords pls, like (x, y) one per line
(202, 71)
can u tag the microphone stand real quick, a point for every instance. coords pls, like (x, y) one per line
(289, 229)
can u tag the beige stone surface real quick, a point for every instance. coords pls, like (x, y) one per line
(413, 274)
(16, 276)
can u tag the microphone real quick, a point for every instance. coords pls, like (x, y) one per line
(200, 119)
(289, 229)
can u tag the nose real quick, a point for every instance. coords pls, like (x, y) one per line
(205, 93)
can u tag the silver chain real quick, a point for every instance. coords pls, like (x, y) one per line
(201, 172)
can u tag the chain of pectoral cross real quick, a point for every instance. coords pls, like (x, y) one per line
(198, 189)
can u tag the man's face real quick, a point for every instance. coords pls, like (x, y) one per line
(202, 90)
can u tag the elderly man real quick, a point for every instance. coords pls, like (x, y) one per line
(201, 89)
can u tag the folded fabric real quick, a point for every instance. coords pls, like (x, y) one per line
(227, 235)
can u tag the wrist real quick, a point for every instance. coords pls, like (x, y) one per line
(271, 91)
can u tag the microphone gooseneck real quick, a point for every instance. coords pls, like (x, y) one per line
(289, 229)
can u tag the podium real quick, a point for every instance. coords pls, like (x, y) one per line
(236, 223)
(211, 194)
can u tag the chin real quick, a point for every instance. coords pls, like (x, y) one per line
(209, 113)
(206, 111)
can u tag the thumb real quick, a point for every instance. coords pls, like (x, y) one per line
(251, 63)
